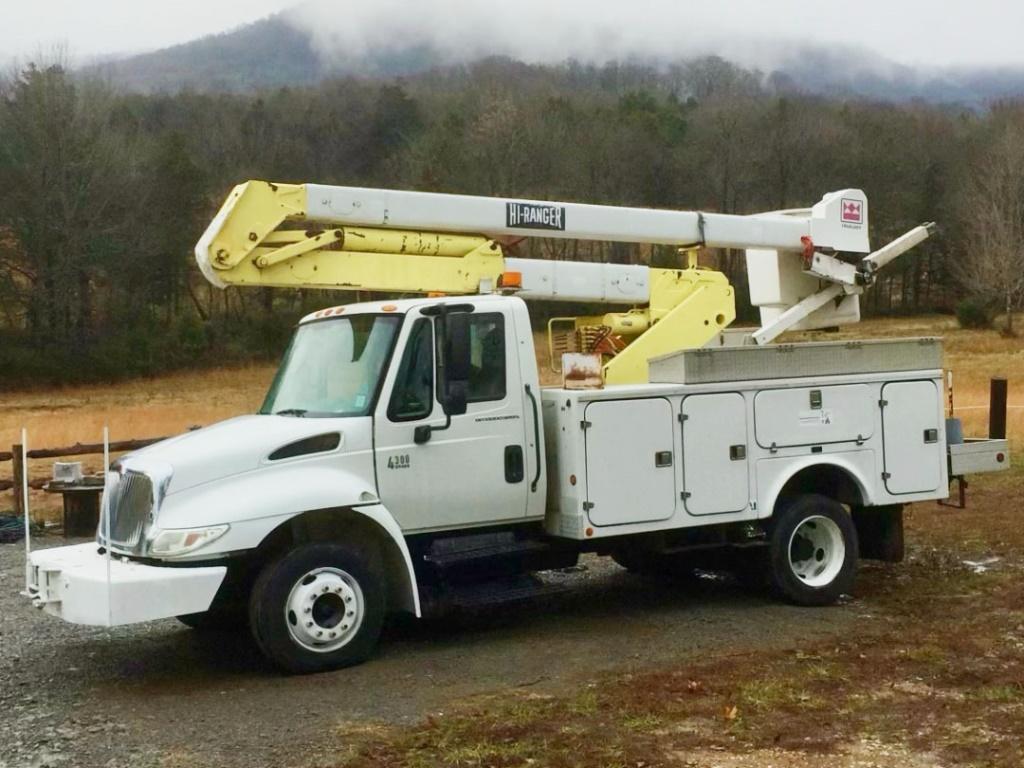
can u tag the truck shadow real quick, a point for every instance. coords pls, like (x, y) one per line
(602, 603)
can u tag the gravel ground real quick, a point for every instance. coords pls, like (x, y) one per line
(161, 694)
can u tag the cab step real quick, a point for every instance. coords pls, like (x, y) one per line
(478, 558)
(445, 599)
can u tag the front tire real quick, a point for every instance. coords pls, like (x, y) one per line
(318, 607)
(813, 556)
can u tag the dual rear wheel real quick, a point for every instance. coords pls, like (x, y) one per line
(811, 557)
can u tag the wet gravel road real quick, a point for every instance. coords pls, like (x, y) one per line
(162, 694)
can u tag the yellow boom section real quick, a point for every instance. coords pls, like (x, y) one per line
(256, 240)
(262, 236)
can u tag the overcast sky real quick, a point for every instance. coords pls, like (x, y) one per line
(920, 32)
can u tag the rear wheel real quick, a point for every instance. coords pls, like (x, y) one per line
(318, 607)
(813, 555)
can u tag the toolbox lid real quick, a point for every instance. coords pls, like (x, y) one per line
(713, 365)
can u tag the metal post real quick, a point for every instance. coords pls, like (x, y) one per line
(997, 410)
(24, 505)
(105, 513)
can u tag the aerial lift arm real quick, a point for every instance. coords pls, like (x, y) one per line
(355, 238)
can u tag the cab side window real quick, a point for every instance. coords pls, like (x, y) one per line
(487, 358)
(413, 395)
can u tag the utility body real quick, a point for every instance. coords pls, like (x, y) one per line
(406, 457)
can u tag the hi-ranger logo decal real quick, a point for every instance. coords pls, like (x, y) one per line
(534, 216)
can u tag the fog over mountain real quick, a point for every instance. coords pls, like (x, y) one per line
(386, 38)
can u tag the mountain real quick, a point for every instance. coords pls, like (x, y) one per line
(281, 50)
(266, 53)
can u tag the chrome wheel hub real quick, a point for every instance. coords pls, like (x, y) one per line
(817, 551)
(324, 609)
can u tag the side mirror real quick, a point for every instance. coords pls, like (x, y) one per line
(457, 353)
(455, 363)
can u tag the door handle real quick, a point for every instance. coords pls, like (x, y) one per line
(663, 459)
(737, 452)
(514, 464)
(931, 435)
(536, 437)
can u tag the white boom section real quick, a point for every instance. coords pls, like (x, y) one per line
(582, 281)
(798, 264)
(838, 222)
(501, 217)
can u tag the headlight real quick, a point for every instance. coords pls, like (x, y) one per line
(173, 543)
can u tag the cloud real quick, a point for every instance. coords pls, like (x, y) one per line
(749, 32)
(536, 31)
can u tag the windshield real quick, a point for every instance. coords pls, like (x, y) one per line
(333, 367)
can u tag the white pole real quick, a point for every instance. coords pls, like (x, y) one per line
(24, 506)
(105, 506)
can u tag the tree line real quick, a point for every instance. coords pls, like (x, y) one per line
(103, 193)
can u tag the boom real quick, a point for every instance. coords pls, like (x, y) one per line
(395, 241)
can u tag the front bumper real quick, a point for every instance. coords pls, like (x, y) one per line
(71, 583)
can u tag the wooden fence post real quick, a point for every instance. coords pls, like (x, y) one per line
(19, 471)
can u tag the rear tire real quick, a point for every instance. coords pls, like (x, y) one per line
(813, 554)
(318, 607)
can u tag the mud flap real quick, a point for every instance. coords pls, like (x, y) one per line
(880, 532)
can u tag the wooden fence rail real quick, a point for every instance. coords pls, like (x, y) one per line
(78, 449)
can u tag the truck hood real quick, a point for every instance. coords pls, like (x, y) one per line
(243, 444)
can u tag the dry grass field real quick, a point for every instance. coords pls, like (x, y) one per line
(170, 404)
(143, 408)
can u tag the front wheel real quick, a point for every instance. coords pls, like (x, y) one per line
(813, 557)
(318, 607)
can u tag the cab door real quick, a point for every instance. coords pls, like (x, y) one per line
(473, 472)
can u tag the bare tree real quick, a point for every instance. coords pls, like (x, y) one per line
(993, 211)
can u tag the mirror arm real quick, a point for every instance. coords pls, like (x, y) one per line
(422, 433)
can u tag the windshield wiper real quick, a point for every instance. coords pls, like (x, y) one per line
(291, 412)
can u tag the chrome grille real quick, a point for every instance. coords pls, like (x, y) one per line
(129, 503)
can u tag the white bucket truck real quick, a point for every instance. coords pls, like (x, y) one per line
(406, 454)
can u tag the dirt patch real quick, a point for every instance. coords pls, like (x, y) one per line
(930, 673)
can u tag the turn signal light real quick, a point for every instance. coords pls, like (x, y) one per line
(510, 281)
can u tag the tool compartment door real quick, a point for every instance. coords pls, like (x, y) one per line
(715, 479)
(795, 416)
(630, 458)
(913, 451)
